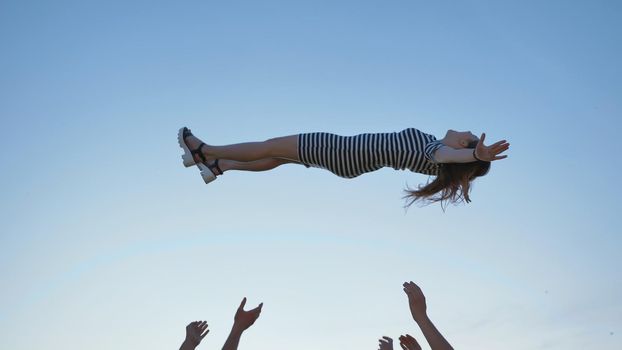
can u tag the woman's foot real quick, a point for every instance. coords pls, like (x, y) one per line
(210, 169)
(198, 147)
(193, 148)
(194, 155)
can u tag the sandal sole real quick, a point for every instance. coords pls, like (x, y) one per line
(206, 173)
(186, 158)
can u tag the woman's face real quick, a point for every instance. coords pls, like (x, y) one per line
(458, 139)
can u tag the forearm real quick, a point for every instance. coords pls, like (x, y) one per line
(233, 340)
(432, 335)
(447, 154)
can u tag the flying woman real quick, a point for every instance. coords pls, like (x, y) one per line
(455, 161)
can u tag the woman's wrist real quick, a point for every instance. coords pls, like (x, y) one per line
(188, 345)
(475, 155)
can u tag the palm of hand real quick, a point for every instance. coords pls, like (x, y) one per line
(416, 300)
(492, 152)
(245, 319)
(407, 342)
(196, 331)
(386, 343)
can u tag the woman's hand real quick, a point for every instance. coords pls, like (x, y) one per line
(195, 332)
(416, 300)
(490, 153)
(386, 343)
(407, 342)
(244, 319)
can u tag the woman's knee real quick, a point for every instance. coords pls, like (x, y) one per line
(283, 147)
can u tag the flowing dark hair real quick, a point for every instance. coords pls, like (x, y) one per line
(452, 185)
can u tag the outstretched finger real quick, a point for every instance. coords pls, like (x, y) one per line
(500, 149)
(497, 151)
(241, 307)
(204, 334)
(500, 157)
(498, 143)
(410, 342)
(257, 309)
(482, 138)
(412, 287)
(412, 339)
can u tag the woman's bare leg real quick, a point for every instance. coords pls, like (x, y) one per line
(257, 165)
(280, 147)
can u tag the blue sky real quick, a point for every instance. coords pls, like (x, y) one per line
(106, 240)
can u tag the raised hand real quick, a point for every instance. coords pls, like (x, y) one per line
(244, 319)
(416, 300)
(418, 308)
(490, 153)
(241, 322)
(386, 343)
(407, 342)
(195, 332)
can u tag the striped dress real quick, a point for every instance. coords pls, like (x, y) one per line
(351, 156)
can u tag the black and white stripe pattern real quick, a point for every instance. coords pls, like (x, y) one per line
(351, 156)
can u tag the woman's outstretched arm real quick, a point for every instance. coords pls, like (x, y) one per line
(446, 154)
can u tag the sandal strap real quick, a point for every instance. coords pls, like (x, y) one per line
(187, 133)
(214, 166)
(198, 151)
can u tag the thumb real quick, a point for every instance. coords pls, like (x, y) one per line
(241, 307)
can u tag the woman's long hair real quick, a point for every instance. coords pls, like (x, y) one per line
(452, 184)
